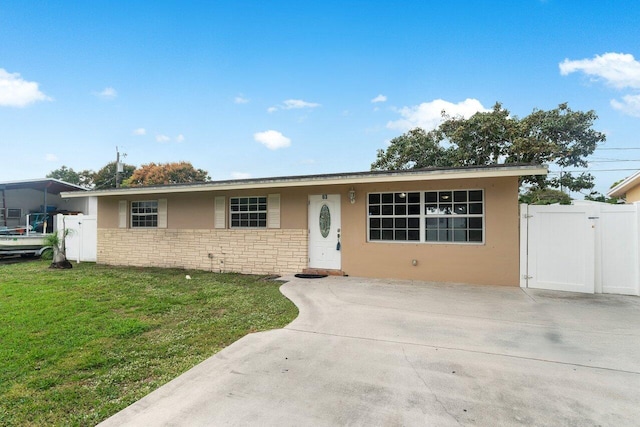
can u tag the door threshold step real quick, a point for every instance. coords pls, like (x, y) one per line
(323, 271)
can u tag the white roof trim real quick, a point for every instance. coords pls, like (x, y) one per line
(334, 179)
(628, 183)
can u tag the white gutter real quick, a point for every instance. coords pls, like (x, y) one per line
(318, 180)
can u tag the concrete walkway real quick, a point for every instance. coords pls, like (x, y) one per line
(394, 353)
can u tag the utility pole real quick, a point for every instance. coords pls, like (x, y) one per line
(117, 168)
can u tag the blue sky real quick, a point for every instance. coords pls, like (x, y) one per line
(257, 88)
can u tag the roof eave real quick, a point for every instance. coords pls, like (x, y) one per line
(319, 180)
(44, 182)
(621, 189)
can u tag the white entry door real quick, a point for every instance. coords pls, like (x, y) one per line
(324, 231)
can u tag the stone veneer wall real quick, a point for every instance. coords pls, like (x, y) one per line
(270, 251)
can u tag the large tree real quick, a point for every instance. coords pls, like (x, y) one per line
(166, 173)
(560, 136)
(106, 177)
(83, 178)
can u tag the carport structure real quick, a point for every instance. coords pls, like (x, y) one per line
(19, 198)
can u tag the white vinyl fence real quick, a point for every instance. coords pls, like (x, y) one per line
(586, 247)
(82, 240)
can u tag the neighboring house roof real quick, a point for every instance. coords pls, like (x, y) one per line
(627, 184)
(331, 179)
(53, 186)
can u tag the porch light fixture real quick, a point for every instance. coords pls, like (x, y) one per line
(352, 195)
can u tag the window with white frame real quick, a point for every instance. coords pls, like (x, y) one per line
(451, 216)
(248, 212)
(15, 213)
(144, 214)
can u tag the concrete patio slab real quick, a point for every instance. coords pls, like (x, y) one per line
(376, 352)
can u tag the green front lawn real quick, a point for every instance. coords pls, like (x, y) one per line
(78, 345)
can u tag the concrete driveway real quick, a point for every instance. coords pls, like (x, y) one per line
(394, 353)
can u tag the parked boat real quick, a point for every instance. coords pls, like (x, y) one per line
(21, 241)
(18, 242)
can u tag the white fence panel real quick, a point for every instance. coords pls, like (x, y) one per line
(617, 244)
(561, 248)
(82, 240)
(587, 247)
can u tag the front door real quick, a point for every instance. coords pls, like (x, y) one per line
(324, 231)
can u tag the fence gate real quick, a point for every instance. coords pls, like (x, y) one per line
(82, 241)
(589, 248)
(617, 250)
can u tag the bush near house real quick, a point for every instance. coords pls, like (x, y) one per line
(79, 345)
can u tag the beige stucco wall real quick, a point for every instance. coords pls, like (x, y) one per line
(190, 237)
(633, 195)
(496, 262)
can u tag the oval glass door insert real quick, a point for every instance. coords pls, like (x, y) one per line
(325, 221)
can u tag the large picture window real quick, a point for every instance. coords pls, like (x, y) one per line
(394, 216)
(454, 216)
(144, 214)
(248, 212)
(451, 216)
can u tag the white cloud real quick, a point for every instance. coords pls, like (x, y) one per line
(379, 98)
(630, 105)
(162, 138)
(108, 93)
(272, 139)
(180, 138)
(428, 115)
(618, 70)
(290, 104)
(240, 100)
(293, 104)
(51, 157)
(17, 92)
(139, 131)
(240, 175)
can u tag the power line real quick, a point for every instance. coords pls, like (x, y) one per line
(594, 170)
(617, 148)
(613, 160)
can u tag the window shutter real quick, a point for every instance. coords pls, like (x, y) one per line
(219, 213)
(122, 214)
(162, 213)
(273, 211)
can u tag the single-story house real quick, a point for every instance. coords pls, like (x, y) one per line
(450, 225)
(39, 196)
(629, 189)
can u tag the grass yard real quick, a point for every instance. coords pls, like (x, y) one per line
(78, 345)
